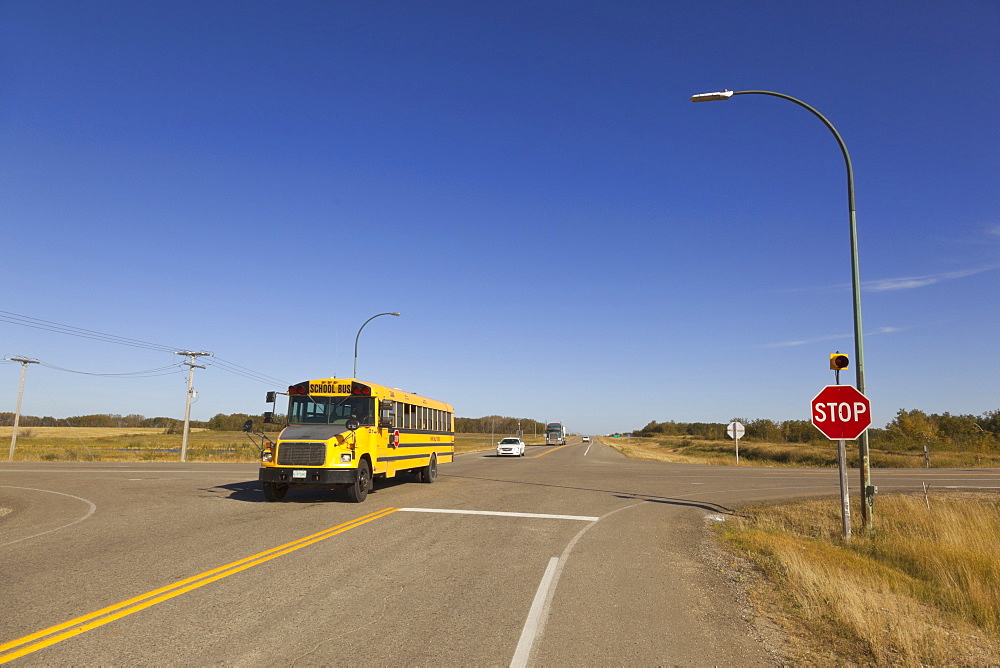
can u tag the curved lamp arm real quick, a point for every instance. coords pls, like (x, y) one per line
(859, 354)
(359, 336)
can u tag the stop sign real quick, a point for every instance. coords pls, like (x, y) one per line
(841, 412)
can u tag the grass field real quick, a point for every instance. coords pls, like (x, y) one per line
(150, 444)
(683, 449)
(83, 444)
(924, 591)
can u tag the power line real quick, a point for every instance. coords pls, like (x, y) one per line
(250, 374)
(60, 328)
(71, 330)
(148, 373)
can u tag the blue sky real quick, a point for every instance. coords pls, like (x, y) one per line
(566, 235)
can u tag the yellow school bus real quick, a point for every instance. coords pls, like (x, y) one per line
(344, 433)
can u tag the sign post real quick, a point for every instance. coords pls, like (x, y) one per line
(842, 414)
(735, 431)
(845, 497)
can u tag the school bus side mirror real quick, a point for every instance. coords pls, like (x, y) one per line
(385, 418)
(268, 417)
(270, 397)
(248, 425)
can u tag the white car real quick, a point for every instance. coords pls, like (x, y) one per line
(586, 439)
(510, 446)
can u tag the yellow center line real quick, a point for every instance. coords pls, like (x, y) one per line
(548, 451)
(103, 616)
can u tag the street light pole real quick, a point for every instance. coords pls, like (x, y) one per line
(359, 336)
(867, 490)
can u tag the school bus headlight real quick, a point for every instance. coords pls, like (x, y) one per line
(267, 455)
(345, 458)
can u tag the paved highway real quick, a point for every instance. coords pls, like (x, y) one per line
(571, 555)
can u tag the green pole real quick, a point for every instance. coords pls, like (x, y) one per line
(867, 490)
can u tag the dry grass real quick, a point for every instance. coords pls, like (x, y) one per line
(151, 444)
(78, 432)
(129, 445)
(925, 590)
(687, 450)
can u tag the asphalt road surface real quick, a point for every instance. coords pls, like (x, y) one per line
(571, 555)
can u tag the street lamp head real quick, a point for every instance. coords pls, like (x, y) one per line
(709, 97)
(396, 313)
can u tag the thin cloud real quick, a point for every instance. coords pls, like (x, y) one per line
(902, 283)
(911, 282)
(833, 337)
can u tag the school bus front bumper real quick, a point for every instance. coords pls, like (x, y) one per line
(310, 476)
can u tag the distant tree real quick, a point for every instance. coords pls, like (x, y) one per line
(799, 431)
(763, 429)
(911, 430)
(497, 424)
(990, 422)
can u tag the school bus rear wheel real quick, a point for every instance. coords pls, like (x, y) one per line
(428, 473)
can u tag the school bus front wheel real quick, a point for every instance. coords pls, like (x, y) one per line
(358, 490)
(274, 491)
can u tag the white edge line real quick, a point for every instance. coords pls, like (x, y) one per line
(498, 514)
(523, 652)
(531, 624)
(91, 511)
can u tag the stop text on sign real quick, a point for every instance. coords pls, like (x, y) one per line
(841, 412)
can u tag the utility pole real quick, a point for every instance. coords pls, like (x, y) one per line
(20, 393)
(192, 356)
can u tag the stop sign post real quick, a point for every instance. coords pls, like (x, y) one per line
(841, 412)
(735, 431)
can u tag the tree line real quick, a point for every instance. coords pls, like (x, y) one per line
(221, 422)
(234, 422)
(910, 430)
(96, 420)
(496, 424)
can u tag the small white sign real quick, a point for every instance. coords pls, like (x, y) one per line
(735, 430)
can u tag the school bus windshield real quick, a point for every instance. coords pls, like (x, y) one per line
(331, 410)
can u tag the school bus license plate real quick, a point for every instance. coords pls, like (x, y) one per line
(299, 473)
